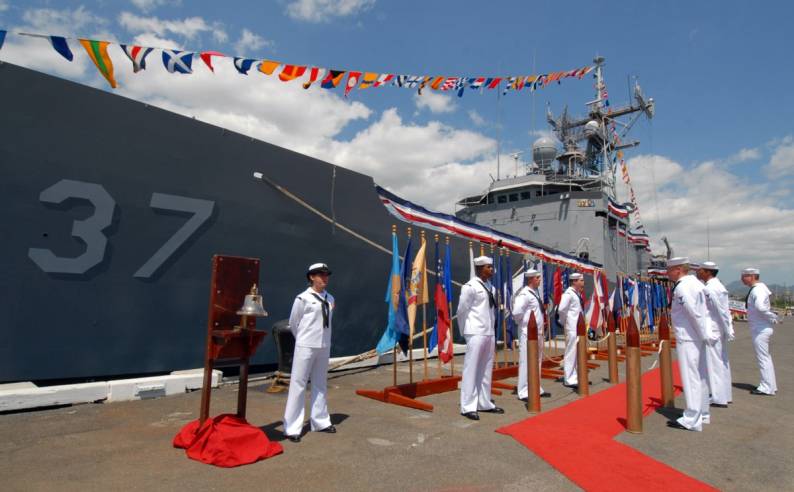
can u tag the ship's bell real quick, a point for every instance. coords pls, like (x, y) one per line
(252, 306)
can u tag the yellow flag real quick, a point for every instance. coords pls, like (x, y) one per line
(267, 67)
(417, 287)
(368, 79)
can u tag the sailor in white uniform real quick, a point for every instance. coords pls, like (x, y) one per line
(310, 323)
(760, 317)
(525, 302)
(720, 325)
(689, 317)
(571, 306)
(477, 323)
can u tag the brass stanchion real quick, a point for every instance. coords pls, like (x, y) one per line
(666, 364)
(394, 349)
(612, 349)
(633, 379)
(581, 357)
(422, 285)
(410, 337)
(533, 366)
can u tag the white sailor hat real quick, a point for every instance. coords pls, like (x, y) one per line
(318, 268)
(677, 261)
(575, 276)
(532, 273)
(751, 271)
(709, 265)
(483, 260)
(694, 265)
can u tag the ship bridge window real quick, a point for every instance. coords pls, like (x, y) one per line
(501, 199)
(526, 195)
(513, 197)
(538, 193)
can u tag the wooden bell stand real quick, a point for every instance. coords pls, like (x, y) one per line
(231, 338)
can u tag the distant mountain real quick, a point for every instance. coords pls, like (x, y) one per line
(738, 290)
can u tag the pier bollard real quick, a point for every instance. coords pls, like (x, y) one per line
(533, 366)
(666, 364)
(581, 357)
(612, 349)
(633, 379)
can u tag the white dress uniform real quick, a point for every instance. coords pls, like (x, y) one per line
(721, 332)
(526, 302)
(312, 333)
(761, 318)
(689, 315)
(476, 321)
(569, 310)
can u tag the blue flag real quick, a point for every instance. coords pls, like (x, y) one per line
(448, 273)
(390, 338)
(401, 325)
(62, 47)
(497, 281)
(2, 38)
(433, 341)
(617, 307)
(511, 324)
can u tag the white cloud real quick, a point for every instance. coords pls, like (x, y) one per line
(249, 43)
(325, 10)
(149, 5)
(745, 222)
(744, 155)
(51, 21)
(3, 5)
(782, 161)
(188, 28)
(436, 102)
(475, 117)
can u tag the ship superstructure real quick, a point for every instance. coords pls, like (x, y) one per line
(566, 197)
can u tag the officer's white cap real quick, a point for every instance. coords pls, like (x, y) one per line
(483, 260)
(575, 276)
(532, 273)
(694, 265)
(679, 260)
(317, 268)
(709, 265)
(751, 271)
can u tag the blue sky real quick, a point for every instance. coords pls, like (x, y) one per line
(720, 72)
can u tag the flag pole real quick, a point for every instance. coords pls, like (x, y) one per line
(495, 358)
(438, 334)
(394, 349)
(410, 336)
(424, 305)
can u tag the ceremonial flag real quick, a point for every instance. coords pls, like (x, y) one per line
(566, 273)
(98, 52)
(448, 273)
(352, 81)
(137, 55)
(267, 67)
(449, 83)
(332, 79)
(60, 45)
(557, 286)
(178, 61)
(548, 283)
(368, 79)
(497, 283)
(445, 341)
(476, 82)
(243, 65)
(2, 38)
(508, 85)
(494, 82)
(401, 324)
(617, 301)
(314, 75)
(417, 287)
(433, 340)
(291, 72)
(206, 57)
(460, 86)
(437, 83)
(391, 336)
(471, 262)
(383, 79)
(508, 302)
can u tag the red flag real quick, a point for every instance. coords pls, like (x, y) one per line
(445, 349)
(206, 57)
(557, 286)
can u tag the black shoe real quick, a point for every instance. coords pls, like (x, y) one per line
(330, 429)
(471, 415)
(494, 410)
(525, 399)
(756, 392)
(675, 425)
(545, 394)
(294, 438)
(719, 405)
(572, 386)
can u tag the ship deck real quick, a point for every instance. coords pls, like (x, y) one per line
(127, 446)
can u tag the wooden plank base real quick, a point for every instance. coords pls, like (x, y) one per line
(406, 395)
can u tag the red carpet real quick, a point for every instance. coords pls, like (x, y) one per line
(577, 439)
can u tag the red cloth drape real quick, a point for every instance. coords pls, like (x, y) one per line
(226, 441)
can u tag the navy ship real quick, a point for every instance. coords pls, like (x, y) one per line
(565, 198)
(112, 210)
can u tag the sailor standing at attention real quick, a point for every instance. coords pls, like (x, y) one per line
(571, 305)
(477, 322)
(310, 323)
(720, 326)
(526, 302)
(761, 318)
(688, 314)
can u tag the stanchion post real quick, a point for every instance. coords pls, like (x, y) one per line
(410, 340)
(666, 363)
(612, 349)
(633, 379)
(581, 357)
